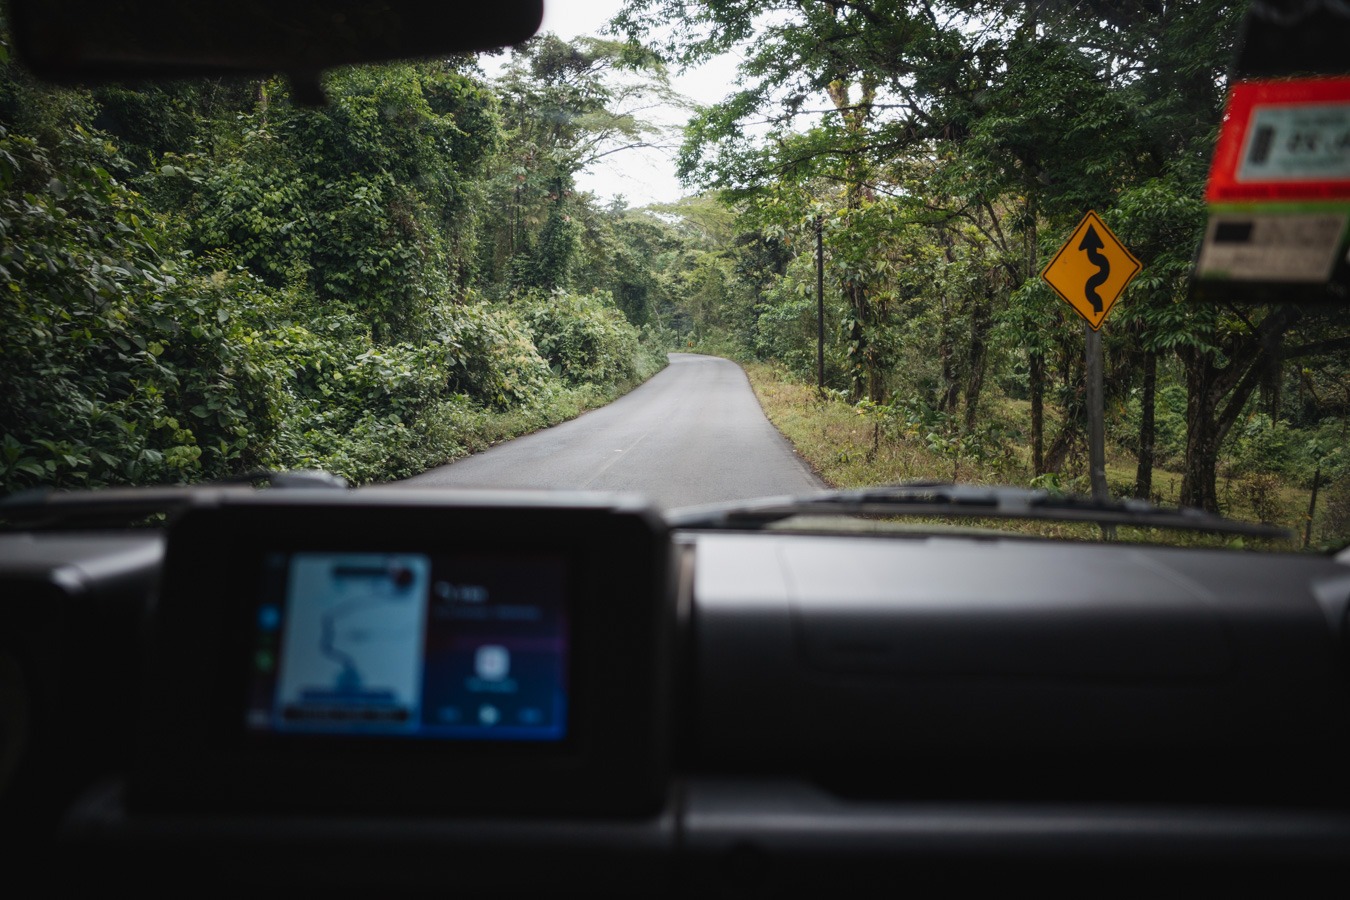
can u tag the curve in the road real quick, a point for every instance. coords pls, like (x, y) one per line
(694, 433)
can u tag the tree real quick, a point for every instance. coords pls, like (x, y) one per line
(565, 105)
(990, 129)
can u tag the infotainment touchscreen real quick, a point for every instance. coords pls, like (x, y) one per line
(461, 646)
(395, 651)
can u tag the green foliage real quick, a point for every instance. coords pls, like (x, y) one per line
(584, 338)
(119, 363)
(786, 327)
(261, 285)
(361, 197)
(985, 451)
(489, 354)
(204, 278)
(564, 105)
(947, 150)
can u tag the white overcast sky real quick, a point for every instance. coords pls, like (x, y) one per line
(646, 175)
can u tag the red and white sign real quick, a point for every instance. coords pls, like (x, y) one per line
(1284, 141)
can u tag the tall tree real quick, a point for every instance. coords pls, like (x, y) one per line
(565, 106)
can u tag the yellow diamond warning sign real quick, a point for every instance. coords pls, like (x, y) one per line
(1091, 270)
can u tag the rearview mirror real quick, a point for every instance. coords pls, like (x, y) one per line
(101, 40)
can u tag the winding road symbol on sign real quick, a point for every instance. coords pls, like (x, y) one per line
(1093, 245)
(1091, 270)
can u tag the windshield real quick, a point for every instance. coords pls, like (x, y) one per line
(765, 248)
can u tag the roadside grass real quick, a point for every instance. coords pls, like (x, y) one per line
(847, 449)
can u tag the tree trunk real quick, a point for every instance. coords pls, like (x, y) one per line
(1075, 410)
(1036, 385)
(1208, 386)
(950, 391)
(1143, 479)
(861, 380)
(981, 320)
(1312, 507)
(1200, 470)
(867, 377)
(950, 394)
(1207, 424)
(1063, 443)
(1035, 359)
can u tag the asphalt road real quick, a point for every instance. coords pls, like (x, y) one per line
(694, 433)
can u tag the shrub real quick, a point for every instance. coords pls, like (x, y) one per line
(1261, 491)
(585, 338)
(488, 354)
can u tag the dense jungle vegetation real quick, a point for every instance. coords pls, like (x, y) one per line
(942, 151)
(205, 279)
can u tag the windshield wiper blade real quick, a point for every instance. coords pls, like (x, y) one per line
(964, 501)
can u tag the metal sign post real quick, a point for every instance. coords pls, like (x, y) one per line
(1089, 273)
(1095, 414)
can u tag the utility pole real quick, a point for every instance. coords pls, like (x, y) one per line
(820, 304)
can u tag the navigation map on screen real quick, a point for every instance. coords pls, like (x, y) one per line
(466, 646)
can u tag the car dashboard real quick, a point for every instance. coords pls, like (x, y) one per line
(733, 713)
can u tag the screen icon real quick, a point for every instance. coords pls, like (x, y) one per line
(492, 662)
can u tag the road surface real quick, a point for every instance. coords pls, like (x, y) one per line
(694, 433)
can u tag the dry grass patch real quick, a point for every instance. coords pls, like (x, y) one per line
(847, 450)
